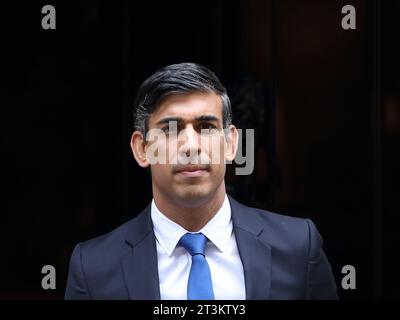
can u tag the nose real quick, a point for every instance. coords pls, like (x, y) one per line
(191, 145)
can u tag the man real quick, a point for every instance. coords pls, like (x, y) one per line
(194, 241)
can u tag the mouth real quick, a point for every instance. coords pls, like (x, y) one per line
(192, 171)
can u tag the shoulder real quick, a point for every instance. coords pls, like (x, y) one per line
(278, 230)
(115, 244)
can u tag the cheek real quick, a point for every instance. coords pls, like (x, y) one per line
(160, 172)
(217, 157)
(214, 147)
(157, 152)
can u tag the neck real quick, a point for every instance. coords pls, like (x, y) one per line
(191, 217)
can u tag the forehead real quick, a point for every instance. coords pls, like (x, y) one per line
(188, 106)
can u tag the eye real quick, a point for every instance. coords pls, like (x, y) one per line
(165, 129)
(170, 129)
(207, 126)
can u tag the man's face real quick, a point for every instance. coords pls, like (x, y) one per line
(193, 146)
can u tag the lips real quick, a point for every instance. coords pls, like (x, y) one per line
(191, 171)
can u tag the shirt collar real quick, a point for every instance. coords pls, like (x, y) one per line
(168, 233)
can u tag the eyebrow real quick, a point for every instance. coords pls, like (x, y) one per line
(179, 119)
(169, 119)
(207, 118)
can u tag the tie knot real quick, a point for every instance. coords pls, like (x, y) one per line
(194, 243)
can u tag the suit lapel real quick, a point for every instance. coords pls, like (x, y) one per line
(254, 252)
(140, 264)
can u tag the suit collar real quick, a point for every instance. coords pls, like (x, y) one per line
(140, 265)
(242, 220)
(139, 227)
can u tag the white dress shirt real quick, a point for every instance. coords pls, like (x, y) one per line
(221, 253)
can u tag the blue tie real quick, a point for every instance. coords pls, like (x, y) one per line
(199, 284)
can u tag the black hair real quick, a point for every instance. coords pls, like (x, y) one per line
(182, 78)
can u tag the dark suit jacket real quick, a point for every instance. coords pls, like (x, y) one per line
(282, 259)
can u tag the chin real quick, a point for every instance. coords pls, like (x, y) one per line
(193, 197)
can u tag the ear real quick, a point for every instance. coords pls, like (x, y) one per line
(232, 138)
(138, 146)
